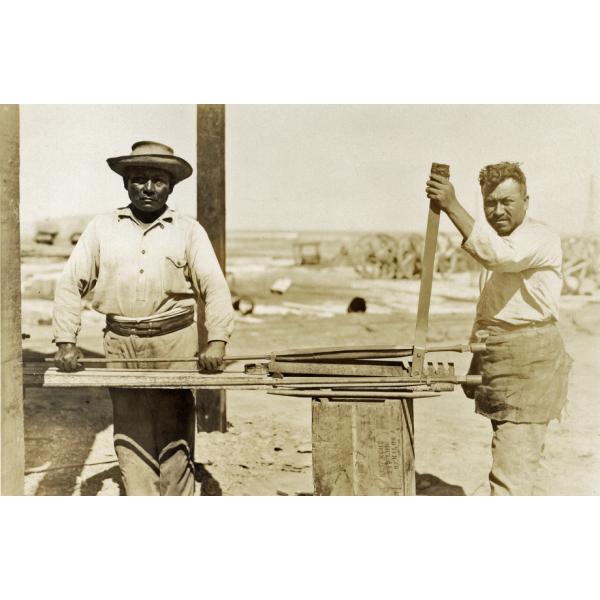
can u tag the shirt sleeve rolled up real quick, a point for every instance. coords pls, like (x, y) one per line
(527, 247)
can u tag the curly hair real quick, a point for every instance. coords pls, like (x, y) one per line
(491, 176)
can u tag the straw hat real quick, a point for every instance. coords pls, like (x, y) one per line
(152, 154)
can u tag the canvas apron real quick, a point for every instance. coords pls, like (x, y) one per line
(525, 374)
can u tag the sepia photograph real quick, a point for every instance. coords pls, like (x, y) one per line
(300, 299)
(328, 270)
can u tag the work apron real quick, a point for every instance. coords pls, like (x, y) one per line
(524, 374)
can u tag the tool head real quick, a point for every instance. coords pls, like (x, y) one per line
(440, 169)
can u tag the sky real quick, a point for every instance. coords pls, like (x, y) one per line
(320, 167)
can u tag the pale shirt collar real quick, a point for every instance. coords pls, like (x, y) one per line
(525, 224)
(169, 216)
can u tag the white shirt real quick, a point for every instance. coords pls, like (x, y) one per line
(147, 272)
(522, 280)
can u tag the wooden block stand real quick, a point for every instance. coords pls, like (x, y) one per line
(363, 448)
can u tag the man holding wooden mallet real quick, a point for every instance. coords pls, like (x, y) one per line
(525, 366)
(147, 266)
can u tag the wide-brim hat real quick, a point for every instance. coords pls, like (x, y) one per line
(152, 154)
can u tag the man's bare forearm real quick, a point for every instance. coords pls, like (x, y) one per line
(462, 220)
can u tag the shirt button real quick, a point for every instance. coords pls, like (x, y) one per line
(143, 252)
(141, 270)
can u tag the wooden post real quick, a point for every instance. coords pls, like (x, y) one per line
(211, 411)
(12, 456)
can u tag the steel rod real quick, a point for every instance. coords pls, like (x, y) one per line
(360, 385)
(342, 394)
(340, 353)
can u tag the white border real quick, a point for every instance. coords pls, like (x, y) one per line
(332, 52)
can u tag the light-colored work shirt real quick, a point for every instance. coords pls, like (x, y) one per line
(522, 277)
(148, 272)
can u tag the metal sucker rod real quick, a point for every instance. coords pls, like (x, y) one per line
(350, 353)
(351, 394)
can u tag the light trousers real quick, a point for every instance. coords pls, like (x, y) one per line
(517, 449)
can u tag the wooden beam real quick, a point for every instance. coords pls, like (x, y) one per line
(140, 378)
(211, 407)
(36, 375)
(12, 456)
(427, 268)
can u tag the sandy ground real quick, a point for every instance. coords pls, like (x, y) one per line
(267, 448)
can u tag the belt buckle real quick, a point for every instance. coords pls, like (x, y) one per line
(148, 329)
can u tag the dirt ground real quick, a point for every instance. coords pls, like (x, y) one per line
(267, 448)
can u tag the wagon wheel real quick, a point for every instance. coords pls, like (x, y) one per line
(445, 255)
(374, 256)
(409, 258)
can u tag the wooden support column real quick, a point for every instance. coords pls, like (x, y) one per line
(211, 408)
(12, 457)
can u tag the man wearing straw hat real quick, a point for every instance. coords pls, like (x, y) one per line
(525, 365)
(147, 266)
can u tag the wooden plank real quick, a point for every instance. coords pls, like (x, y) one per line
(12, 456)
(35, 375)
(211, 407)
(152, 378)
(427, 266)
(363, 449)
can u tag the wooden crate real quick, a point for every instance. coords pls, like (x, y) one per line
(363, 448)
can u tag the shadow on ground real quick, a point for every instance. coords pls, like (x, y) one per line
(61, 426)
(427, 484)
(430, 485)
(92, 486)
(209, 486)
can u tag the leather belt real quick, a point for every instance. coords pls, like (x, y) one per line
(150, 328)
